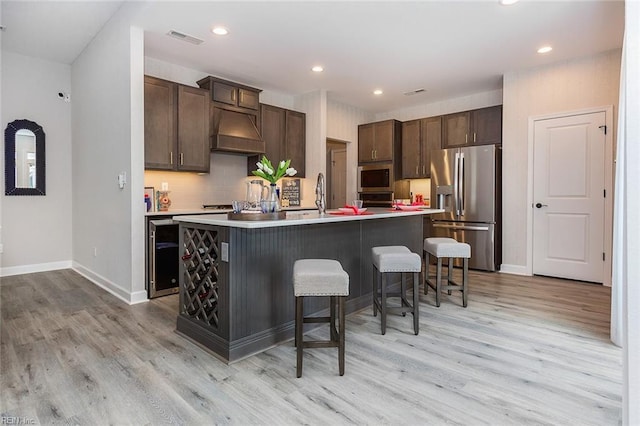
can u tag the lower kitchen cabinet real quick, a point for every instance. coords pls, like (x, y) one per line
(176, 126)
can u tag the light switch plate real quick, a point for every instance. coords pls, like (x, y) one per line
(224, 255)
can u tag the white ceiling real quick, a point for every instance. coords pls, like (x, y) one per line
(449, 48)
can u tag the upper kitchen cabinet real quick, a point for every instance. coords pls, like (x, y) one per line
(284, 135)
(380, 141)
(176, 126)
(419, 137)
(234, 116)
(477, 127)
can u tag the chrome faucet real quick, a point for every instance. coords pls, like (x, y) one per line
(321, 203)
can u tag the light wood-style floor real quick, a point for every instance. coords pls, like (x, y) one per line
(525, 351)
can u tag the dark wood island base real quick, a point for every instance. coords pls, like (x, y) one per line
(236, 289)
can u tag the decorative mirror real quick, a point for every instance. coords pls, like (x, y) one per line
(24, 164)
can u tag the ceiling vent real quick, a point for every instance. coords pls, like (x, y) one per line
(184, 37)
(414, 92)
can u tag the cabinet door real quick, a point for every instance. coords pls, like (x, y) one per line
(193, 129)
(456, 129)
(487, 124)
(225, 93)
(273, 124)
(411, 142)
(160, 123)
(248, 99)
(296, 141)
(383, 141)
(431, 139)
(366, 134)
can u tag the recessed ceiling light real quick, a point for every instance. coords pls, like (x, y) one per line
(220, 31)
(377, 92)
(317, 68)
(545, 49)
(508, 2)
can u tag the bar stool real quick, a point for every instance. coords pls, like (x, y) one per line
(320, 277)
(451, 249)
(390, 259)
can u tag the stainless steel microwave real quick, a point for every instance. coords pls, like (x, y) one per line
(376, 178)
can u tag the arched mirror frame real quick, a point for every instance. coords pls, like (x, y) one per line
(10, 158)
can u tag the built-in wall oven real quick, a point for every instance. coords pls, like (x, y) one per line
(162, 257)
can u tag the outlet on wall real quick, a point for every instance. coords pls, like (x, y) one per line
(95, 251)
(1, 248)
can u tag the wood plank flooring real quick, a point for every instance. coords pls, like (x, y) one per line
(527, 350)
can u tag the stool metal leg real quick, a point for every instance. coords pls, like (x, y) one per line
(403, 292)
(426, 271)
(299, 343)
(332, 315)
(375, 291)
(341, 335)
(438, 281)
(465, 281)
(449, 274)
(383, 303)
(416, 302)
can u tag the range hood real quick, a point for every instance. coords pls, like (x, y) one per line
(235, 132)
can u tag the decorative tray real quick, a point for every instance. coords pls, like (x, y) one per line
(257, 216)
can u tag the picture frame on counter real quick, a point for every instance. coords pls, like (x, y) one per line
(151, 192)
(290, 193)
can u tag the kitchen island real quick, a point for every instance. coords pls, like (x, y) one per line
(236, 290)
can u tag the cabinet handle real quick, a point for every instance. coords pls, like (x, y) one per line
(466, 138)
(233, 95)
(171, 158)
(375, 154)
(372, 156)
(474, 137)
(417, 169)
(181, 159)
(424, 172)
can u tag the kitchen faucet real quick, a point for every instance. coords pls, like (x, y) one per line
(320, 199)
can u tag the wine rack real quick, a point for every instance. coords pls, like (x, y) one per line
(200, 292)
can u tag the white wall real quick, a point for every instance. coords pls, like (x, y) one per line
(36, 230)
(108, 228)
(342, 124)
(448, 106)
(566, 86)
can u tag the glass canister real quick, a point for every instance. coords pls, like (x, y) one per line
(254, 194)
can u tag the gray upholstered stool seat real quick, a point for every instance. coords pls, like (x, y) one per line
(320, 277)
(451, 249)
(395, 259)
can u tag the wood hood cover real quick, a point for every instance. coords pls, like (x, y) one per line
(235, 132)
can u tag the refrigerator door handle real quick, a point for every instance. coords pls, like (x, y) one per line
(456, 173)
(463, 227)
(461, 183)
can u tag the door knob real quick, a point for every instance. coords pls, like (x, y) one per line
(540, 205)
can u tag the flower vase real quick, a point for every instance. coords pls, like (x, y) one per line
(272, 198)
(163, 201)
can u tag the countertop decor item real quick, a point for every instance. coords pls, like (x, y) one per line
(273, 175)
(163, 201)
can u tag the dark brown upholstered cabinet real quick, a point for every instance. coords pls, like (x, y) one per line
(284, 135)
(176, 126)
(380, 141)
(419, 137)
(476, 127)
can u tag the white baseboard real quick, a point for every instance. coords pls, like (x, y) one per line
(514, 269)
(104, 283)
(30, 269)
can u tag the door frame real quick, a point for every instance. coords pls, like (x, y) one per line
(608, 183)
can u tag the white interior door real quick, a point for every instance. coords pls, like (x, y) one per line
(568, 197)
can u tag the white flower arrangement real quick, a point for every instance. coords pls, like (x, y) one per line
(266, 170)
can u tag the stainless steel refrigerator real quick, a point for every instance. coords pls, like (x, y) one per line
(466, 183)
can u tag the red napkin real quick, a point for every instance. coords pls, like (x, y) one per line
(354, 208)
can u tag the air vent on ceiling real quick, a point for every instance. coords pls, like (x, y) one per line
(414, 92)
(184, 37)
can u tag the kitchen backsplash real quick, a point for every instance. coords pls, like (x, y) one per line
(421, 186)
(190, 190)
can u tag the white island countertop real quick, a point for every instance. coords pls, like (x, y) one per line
(302, 218)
